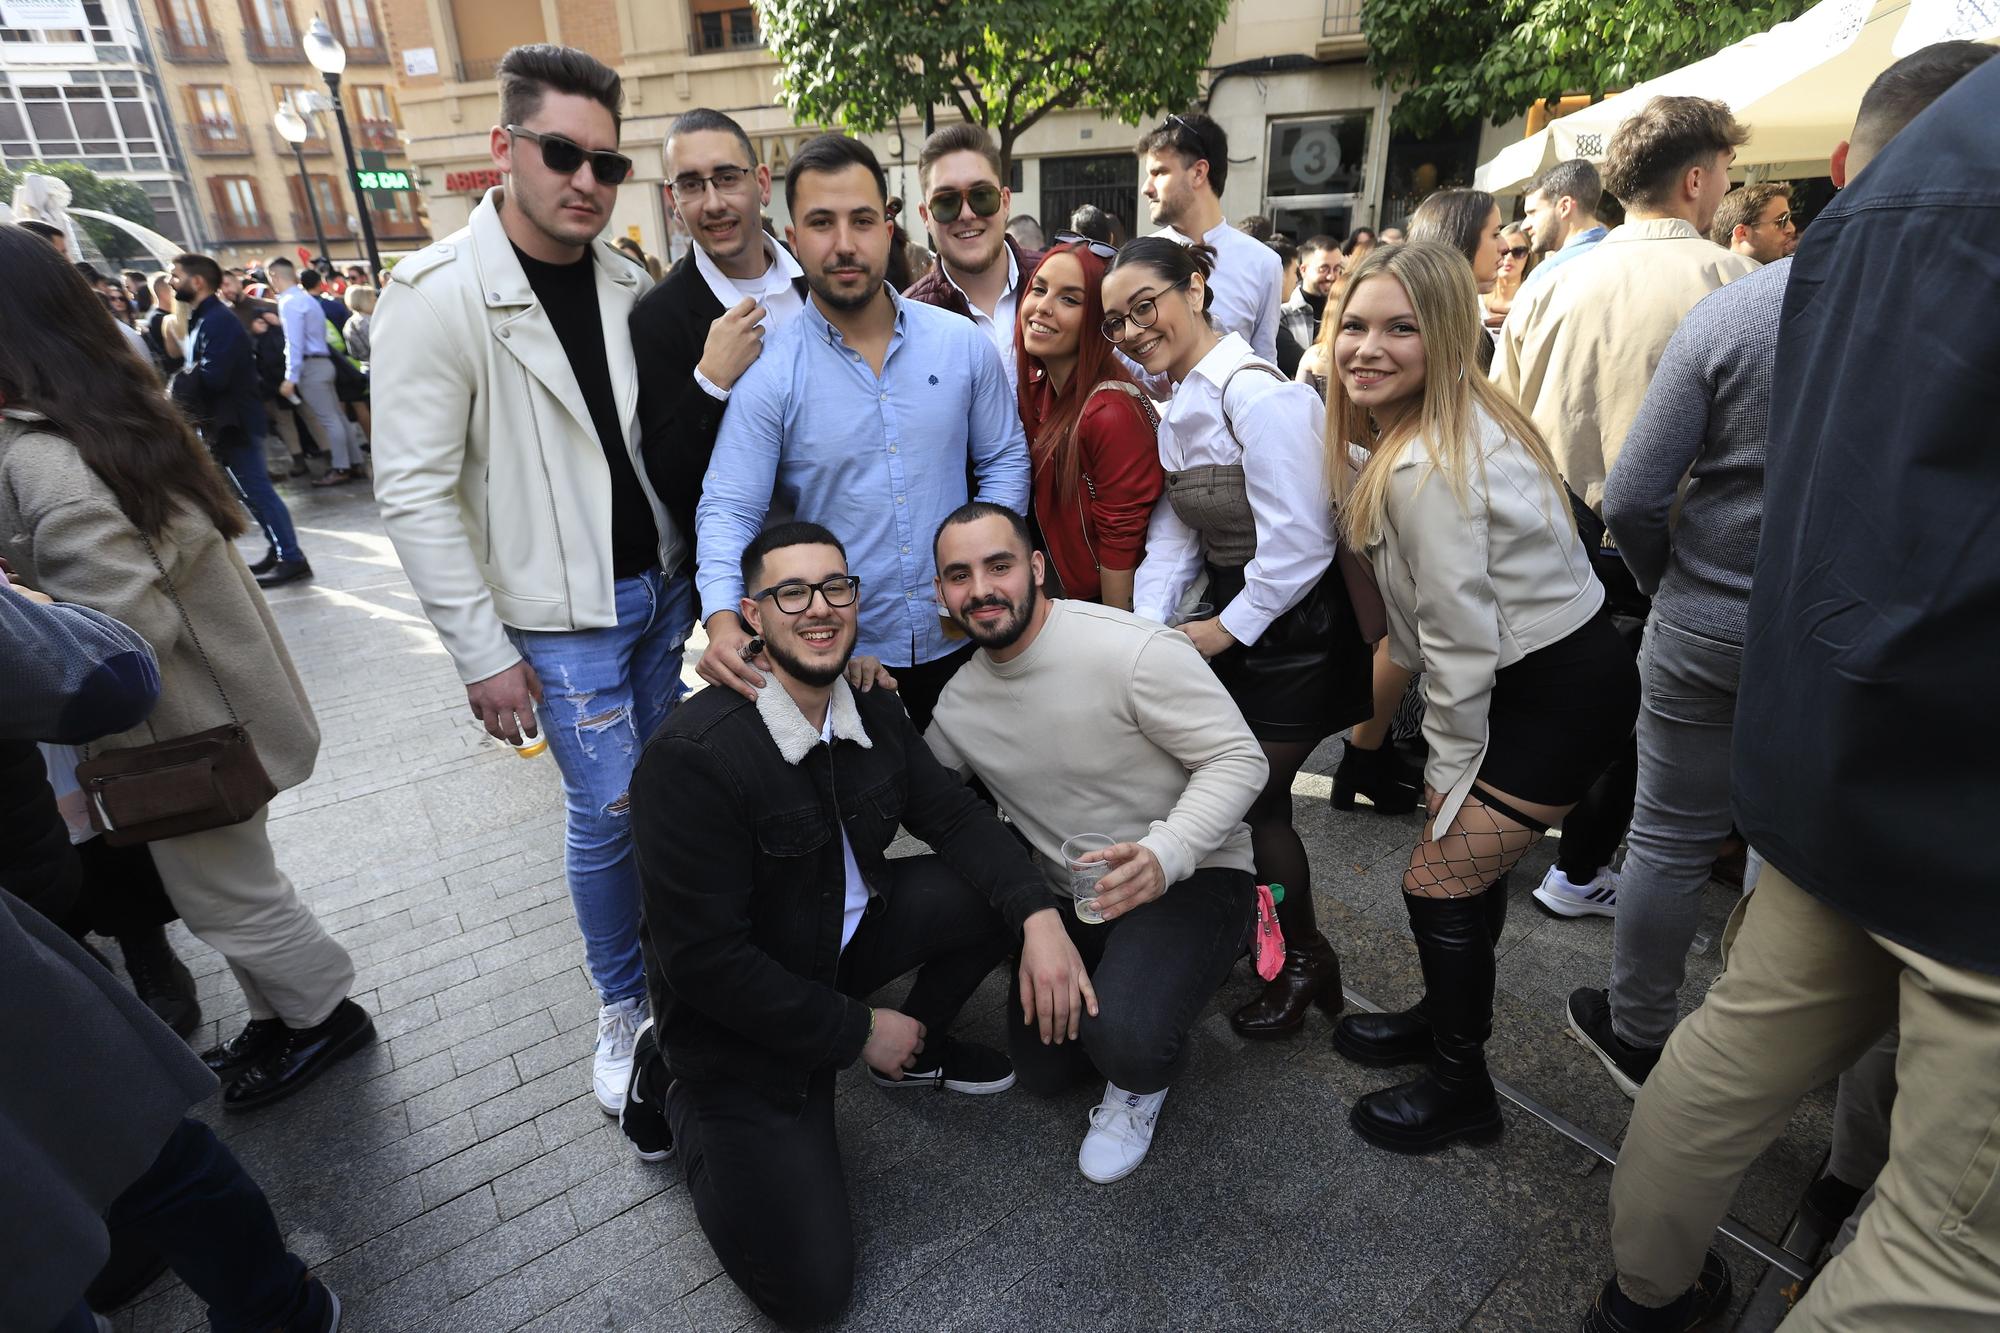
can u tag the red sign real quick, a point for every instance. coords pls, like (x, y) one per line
(470, 182)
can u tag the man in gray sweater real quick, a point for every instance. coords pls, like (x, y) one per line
(1087, 719)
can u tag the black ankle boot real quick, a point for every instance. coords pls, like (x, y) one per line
(1454, 1098)
(1382, 1040)
(1310, 976)
(1374, 774)
(161, 979)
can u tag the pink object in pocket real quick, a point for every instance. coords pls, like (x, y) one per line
(1269, 946)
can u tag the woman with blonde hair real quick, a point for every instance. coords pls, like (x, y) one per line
(1528, 691)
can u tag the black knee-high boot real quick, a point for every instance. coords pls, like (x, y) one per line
(1310, 976)
(1403, 1037)
(1454, 1097)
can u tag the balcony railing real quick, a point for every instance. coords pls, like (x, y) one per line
(231, 230)
(378, 134)
(185, 52)
(277, 49)
(316, 146)
(728, 30)
(1342, 19)
(392, 225)
(220, 138)
(333, 219)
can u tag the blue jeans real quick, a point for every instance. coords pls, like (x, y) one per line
(197, 1208)
(242, 457)
(604, 693)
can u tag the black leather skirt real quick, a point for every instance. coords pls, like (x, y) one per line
(1310, 675)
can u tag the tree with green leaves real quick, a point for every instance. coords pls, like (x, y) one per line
(1460, 60)
(89, 190)
(1004, 64)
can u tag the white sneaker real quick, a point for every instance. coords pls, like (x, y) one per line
(1597, 898)
(617, 1028)
(1121, 1132)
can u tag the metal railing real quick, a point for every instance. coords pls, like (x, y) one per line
(173, 48)
(279, 49)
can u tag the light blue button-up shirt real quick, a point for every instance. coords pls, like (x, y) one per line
(305, 329)
(813, 434)
(1576, 247)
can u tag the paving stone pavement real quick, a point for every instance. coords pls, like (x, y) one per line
(459, 1176)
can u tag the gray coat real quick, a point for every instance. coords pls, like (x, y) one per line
(62, 529)
(93, 1086)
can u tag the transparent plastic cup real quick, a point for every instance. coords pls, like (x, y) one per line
(531, 746)
(1083, 875)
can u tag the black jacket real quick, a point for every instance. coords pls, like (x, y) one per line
(220, 391)
(1865, 724)
(740, 864)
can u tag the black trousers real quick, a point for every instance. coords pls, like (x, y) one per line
(1153, 970)
(919, 687)
(766, 1180)
(1592, 830)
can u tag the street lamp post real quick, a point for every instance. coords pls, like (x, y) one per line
(291, 127)
(329, 57)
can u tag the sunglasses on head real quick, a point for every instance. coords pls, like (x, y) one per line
(564, 156)
(1200, 149)
(1098, 248)
(984, 200)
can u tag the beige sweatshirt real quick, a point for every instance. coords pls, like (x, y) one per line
(1107, 724)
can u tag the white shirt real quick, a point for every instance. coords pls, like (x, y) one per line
(1248, 279)
(857, 888)
(998, 326)
(1285, 474)
(773, 290)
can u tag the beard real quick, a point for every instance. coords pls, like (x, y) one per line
(1009, 631)
(823, 288)
(808, 673)
(184, 293)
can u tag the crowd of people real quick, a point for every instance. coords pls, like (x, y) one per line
(1065, 557)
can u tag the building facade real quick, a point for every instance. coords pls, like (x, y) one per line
(1310, 143)
(225, 67)
(78, 83)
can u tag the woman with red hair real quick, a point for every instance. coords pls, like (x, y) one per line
(1090, 428)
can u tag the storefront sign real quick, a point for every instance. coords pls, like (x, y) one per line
(470, 182)
(42, 14)
(387, 179)
(420, 60)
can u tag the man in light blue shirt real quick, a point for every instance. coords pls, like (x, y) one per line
(309, 369)
(868, 414)
(1562, 216)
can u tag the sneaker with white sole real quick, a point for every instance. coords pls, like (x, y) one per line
(1121, 1133)
(617, 1028)
(1560, 895)
(955, 1066)
(1589, 1014)
(643, 1120)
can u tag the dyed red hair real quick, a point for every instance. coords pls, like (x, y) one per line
(1096, 364)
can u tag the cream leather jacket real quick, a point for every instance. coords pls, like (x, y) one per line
(492, 484)
(1471, 590)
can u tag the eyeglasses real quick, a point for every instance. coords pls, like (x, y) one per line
(1783, 219)
(1200, 144)
(945, 205)
(725, 179)
(1517, 251)
(564, 156)
(1098, 248)
(1143, 315)
(793, 598)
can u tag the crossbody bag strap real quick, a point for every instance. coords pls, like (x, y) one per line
(188, 624)
(1255, 363)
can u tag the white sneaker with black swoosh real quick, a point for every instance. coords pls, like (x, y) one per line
(643, 1117)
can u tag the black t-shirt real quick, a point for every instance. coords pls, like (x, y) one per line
(569, 293)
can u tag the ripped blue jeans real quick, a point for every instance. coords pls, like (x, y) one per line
(604, 692)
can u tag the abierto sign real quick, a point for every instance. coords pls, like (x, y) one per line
(470, 182)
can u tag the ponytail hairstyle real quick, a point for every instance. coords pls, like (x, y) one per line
(1172, 261)
(1096, 364)
(1455, 395)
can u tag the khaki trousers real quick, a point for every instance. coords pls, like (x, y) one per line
(1805, 993)
(226, 885)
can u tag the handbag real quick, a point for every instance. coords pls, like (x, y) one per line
(209, 780)
(350, 382)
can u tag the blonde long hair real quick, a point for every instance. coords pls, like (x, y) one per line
(1438, 281)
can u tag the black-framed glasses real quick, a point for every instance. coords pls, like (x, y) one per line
(946, 205)
(1101, 249)
(794, 597)
(1143, 315)
(564, 156)
(727, 179)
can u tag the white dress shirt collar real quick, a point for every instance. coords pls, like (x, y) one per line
(776, 279)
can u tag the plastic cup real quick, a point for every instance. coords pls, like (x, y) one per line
(1083, 875)
(1199, 611)
(531, 746)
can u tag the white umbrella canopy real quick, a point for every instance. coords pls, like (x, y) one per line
(1797, 86)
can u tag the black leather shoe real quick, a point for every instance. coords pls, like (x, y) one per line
(1615, 1312)
(259, 1038)
(1310, 976)
(161, 979)
(301, 1056)
(265, 565)
(1454, 1098)
(1383, 1040)
(1374, 774)
(285, 571)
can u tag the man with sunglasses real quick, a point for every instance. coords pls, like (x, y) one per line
(762, 833)
(506, 457)
(1187, 161)
(980, 266)
(1755, 221)
(705, 324)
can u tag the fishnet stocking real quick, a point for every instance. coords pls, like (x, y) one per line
(1480, 846)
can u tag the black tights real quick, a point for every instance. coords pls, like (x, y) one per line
(1280, 854)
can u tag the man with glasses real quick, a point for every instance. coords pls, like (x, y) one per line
(1755, 221)
(762, 831)
(697, 332)
(506, 458)
(1187, 162)
(980, 266)
(872, 414)
(1299, 316)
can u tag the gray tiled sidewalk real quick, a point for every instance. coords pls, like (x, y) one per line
(458, 1176)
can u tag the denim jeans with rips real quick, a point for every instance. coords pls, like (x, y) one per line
(604, 692)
